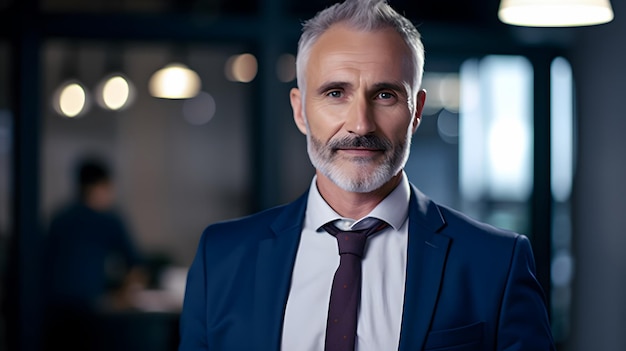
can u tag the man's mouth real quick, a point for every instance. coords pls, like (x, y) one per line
(359, 151)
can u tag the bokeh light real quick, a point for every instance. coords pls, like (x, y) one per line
(443, 91)
(115, 92)
(71, 100)
(286, 68)
(241, 68)
(448, 126)
(200, 109)
(174, 81)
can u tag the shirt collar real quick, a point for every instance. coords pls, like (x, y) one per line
(394, 208)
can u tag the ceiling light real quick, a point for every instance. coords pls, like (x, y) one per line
(71, 99)
(115, 92)
(555, 13)
(175, 81)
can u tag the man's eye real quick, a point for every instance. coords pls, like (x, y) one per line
(334, 94)
(385, 95)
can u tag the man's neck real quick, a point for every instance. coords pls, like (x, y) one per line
(350, 204)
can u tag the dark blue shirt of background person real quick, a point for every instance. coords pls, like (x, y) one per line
(89, 259)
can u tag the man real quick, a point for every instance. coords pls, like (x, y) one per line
(90, 261)
(432, 279)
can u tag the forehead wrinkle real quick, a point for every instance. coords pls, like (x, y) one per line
(344, 55)
(341, 68)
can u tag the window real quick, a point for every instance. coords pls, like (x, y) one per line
(473, 150)
(562, 159)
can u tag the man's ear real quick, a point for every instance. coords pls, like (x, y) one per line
(296, 105)
(419, 108)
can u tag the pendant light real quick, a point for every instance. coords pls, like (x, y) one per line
(175, 81)
(555, 13)
(115, 91)
(71, 99)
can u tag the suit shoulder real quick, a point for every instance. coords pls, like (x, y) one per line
(484, 244)
(461, 226)
(255, 220)
(258, 225)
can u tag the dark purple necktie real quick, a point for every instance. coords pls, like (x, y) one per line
(346, 290)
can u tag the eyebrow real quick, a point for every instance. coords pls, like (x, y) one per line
(332, 85)
(390, 86)
(378, 86)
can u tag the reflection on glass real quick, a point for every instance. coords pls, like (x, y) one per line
(561, 129)
(561, 173)
(496, 128)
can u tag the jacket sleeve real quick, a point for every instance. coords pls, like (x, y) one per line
(523, 322)
(193, 335)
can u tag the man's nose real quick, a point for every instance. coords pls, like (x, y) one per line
(360, 119)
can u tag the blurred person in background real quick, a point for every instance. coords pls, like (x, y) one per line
(91, 263)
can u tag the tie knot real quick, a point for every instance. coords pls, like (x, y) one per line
(353, 241)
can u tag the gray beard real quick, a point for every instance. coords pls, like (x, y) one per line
(322, 157)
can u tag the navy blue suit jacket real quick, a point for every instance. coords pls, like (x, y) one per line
(469, 286)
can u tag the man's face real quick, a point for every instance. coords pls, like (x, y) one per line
(359, 109)
(100, 196)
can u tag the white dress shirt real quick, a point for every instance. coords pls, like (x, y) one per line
(384, 272)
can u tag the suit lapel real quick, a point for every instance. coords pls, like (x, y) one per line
(426, 257)
(275, 259)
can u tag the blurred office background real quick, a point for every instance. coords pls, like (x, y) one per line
(523, 129)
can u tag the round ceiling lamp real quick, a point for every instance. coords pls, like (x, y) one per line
(175, 81)
(115, 92)
(71, 99)
(555, 13)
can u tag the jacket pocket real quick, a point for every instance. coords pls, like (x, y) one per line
(468, 337)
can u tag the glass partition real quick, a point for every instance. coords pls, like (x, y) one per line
(473, 150)
(171, 125)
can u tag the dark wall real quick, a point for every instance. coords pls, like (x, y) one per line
(599, 64)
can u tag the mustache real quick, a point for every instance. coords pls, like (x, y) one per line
(364, 141)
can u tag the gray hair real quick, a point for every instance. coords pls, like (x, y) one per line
(363, 15)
